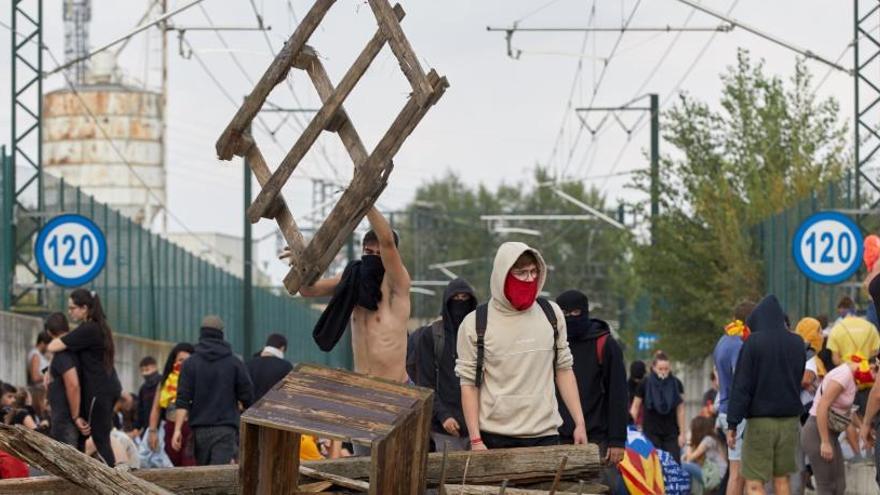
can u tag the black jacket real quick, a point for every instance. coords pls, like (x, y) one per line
(602, 389)
(265, 372)
(767, 380)
(146, 394)
(212, 383)
(447, 396)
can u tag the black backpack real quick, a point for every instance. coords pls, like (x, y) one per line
(439, 337)
(482, 322)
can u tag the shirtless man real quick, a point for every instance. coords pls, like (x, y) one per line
(378, 338)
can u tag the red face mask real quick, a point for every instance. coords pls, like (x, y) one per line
(520, 294)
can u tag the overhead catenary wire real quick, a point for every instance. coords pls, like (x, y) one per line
(767, 36)
(642, 122)
(321, 148)
(653, 73)
(598, 84)
(125, 37)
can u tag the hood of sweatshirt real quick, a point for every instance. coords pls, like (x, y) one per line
(767, 316)
(211, 345)
(505, 258)
(452, 315)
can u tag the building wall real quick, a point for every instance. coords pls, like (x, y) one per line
(19, 332)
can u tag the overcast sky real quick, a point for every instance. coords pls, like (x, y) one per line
(499, 118)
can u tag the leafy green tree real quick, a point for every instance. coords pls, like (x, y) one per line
(767, 146)
(443, 224)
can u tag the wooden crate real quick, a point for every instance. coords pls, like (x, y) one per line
(393, 419)
(371, 170)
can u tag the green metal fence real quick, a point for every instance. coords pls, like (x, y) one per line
(799, 296)
(153, 288)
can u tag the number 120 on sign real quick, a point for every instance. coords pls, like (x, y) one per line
(70, 250)
(828, 247)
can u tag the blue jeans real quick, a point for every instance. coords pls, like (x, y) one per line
(696, 473)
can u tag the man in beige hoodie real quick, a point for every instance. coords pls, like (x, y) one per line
(513, 403)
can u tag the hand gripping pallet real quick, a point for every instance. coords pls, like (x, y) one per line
(371, 171)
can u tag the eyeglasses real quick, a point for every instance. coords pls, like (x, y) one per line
(524, 274)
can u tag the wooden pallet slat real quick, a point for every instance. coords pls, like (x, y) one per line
(276, 73)
(316, 126)
(272, 425)
(371, 170)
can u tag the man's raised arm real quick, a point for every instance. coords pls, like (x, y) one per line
(391, 260)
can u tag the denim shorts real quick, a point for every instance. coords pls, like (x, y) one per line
(734, 454)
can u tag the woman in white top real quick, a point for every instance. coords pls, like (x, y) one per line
(37, 360)
(834, 399)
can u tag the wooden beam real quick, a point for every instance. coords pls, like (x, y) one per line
(494, 490)
(409, 63)
(65, 461)
(520, 466)
(310, 134)
(286, 223)
(276, 73)
(369, 181)
(279, 461)
(335, 478)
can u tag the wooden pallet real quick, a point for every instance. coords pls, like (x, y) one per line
(393, 419)
(371, 170)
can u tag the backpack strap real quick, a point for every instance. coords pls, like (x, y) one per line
(551, 316)
(482, 322)
(438, 333)
(600, 348)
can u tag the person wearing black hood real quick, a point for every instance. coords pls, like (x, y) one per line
(766, 391)
(213, 381)
(601, 378)
(637, 371)
(150, 373)
(434, 348)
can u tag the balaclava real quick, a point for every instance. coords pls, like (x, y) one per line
(459, 309)
(569, 301)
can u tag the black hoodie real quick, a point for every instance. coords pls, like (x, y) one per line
(767, 380)
(447, 396)
(602, 389)
(146, 394)
(212, 383)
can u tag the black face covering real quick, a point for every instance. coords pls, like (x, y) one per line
(458, 310)
(371, 274)
(577, 326)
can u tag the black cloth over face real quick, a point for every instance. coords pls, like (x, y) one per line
(578, 327)
(360, 285)
(369, 286)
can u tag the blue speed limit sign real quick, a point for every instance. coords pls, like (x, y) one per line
(827, 247)
(71, 250)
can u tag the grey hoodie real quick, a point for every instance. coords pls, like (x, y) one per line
(517, 397)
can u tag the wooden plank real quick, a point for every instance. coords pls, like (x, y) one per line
(335, 478)
(364, 381)
(279, 466)
(286, 223)
(527, 465)
(249, 457)
(319, 486)
(369, 181)
(333, 396)
(65, 461)
(533, 464)
(399, 460)
(309, 61)
(494, 490)
(276, 73)
(318, 428)
(409, 63)
(291, 412)
(316, 125)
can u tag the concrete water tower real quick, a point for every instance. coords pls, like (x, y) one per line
(87, 153)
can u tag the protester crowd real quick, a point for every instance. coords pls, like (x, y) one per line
(790, 403)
